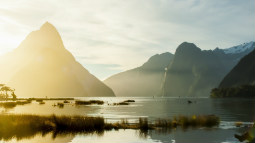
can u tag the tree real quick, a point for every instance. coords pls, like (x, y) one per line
(14, 96)
(1, 94)
(6, 89)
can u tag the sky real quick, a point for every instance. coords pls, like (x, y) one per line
(110, 36)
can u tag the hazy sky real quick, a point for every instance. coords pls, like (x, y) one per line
(109, 36)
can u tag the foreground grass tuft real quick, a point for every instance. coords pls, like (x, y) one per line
(28, 125)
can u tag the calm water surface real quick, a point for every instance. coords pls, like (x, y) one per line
(229, 111)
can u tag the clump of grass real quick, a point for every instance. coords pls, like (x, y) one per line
(8, 104)
(29, 100)
(189, 121)
(248, 136)
(143, 124)
(49, 99)
(126, 102)
(164, 123)
(23, 102)
(42, 102)
(121, 103)
(129, 100)
(66, 101)
(238, 124)
(77, 123)
(39, 100)
(13, 103)
(27, 125)
(98, 102)
(60, 105)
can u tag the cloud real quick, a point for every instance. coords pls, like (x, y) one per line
(127, 33)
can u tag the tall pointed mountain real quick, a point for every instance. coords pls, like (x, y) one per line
(41, 66)
(242, 74)
(145, 80)
(194, 72)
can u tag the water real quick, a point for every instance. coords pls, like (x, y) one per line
(229, 111)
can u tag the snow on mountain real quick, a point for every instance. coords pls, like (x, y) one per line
(240, 48)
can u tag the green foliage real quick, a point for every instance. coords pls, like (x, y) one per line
(240, 91)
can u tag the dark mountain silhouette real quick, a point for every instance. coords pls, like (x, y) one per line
(242, 74)
(41, 66)
(194, 72)
(141, 81)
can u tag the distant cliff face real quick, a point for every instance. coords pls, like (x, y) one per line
(242, 74)
(194, 72)
(41, 66)
(145, 81)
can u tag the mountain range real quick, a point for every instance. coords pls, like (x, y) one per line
(189, 72)
(194, 72)
(240, 81)
(242, 74)
(145, 80)
(41, 66)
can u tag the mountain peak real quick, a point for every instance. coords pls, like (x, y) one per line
(186, 47)
(240, 48)
(46, 37)
(47, 26)
(49, 29)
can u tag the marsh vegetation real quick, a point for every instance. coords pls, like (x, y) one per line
(98, 102)
(25, 125)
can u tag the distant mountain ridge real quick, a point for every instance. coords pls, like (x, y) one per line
(145, 80)
(240, 81)
(245, 47)
(190, 72)
(41, 66)
(194, 72)
(242, 74)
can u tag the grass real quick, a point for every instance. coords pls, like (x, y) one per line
(28, 125)
(129, 100)
(248, 136)
(66, 101)
(11, 104)
(126, 102)
(238, 124)
(189, 121)
(98, 102)
(60, 105)
(11, 99)
(121, 103)
(50, 98)
(41, 102)
(8, 104)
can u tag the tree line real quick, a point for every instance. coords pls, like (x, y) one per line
(7, 92)
(239, 91)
